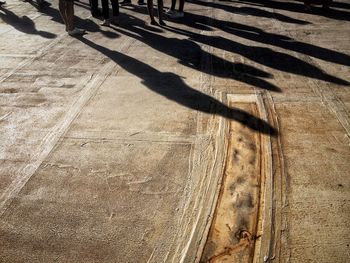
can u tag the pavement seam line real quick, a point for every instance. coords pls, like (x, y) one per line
(30, 59)
(53, 137)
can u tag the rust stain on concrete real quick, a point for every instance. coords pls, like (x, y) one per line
(233, 231)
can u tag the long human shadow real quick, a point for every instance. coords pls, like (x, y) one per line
(23, 24)
(172, 87)
(191, 54)
(261, 36)
(298, 8)
(270, 58)
(251, 11)
(341, 5)
(265, 56)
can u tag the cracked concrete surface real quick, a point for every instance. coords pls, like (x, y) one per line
(120, 146)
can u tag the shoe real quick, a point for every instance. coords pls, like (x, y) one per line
(177, 14)
(2, 3)
(126, 2)
(76, 32)
(141, 3)
(105, 22)
(170, 12)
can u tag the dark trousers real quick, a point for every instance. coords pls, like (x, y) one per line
(105, 8)
(94, 7)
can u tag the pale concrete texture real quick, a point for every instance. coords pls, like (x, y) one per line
(223, 137)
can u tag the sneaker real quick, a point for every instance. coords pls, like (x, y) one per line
(105, 22)
(177, 14)
(170, 12)
(126, 2)
(76, 32)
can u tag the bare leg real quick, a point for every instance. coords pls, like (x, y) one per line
(62, 7)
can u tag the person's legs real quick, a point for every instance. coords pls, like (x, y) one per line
(171, 11)
(173, 5)
(66, 8)
(150, 11)
(70, 15)
(176, 14)
(94, 8)
(105, 9)
(62, 6)
(181, 6)
(105, 12)
(160, 12)
(115, 7)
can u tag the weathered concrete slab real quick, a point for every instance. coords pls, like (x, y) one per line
(122, 196)
(119, 146)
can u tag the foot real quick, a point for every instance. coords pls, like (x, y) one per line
(162, 23)
(140, 2)
(177, 14)
(170, 12)
(2, 3)
(154, 23)
(126, 2)
(105, 22)
(76, 32)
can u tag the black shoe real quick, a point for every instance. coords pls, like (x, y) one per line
(126, 2)
(2, 3)
(141, 2)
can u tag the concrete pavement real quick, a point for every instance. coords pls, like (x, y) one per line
(223, 137)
